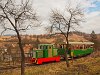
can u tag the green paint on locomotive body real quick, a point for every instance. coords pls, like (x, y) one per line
(55, 52)
(45, 51)
(37, 53)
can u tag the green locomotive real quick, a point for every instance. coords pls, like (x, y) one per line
(45, 53)
(48, 52)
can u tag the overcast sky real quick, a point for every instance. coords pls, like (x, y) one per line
(92, 13)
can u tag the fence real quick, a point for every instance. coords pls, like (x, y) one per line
(14, 59)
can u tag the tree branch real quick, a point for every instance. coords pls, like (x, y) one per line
(7, 16)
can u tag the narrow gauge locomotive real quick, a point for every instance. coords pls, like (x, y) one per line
(48, 52)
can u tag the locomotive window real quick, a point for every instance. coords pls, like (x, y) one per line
(50, 47)
(45, 47)
(40, 47)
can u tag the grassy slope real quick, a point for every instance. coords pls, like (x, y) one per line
(89, 65)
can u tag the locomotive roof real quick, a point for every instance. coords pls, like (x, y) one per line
(45, 44)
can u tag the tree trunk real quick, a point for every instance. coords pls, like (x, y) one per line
(66, 52)
(22, 54)
(67, 47)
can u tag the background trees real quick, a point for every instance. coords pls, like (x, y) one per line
(17, 17)
(93, 37)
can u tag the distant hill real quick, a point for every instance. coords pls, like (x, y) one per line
(51, 38)
(30, 41)
(73, 36)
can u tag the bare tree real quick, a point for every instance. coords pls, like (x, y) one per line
(63, 22)
(17, 17)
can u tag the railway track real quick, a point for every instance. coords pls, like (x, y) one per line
(26, 65)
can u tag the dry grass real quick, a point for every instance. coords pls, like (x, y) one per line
(89, 65)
